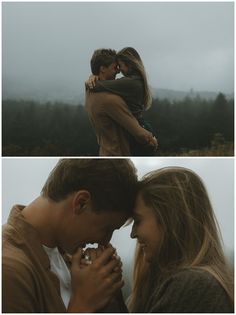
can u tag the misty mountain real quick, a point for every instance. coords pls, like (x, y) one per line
(72, 94)
(173, 95)
(41, 91)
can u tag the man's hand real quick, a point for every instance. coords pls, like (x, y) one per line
(150, 141)
(153, 143)
(94, 286)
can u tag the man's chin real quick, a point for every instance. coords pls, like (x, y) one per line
(74, 250)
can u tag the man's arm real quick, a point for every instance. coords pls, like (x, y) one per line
(116, 108)
(17, 293)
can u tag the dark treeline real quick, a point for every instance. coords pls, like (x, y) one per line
(32, 129)
(193, 124)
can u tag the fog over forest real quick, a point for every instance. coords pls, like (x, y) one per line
(47, 46)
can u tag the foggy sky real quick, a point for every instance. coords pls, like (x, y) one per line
(183, 45)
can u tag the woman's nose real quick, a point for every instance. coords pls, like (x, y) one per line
(133, 233)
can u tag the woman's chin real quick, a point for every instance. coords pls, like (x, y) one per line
(148, 256)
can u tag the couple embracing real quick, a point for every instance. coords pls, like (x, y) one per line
(116, 106)
(179, 264)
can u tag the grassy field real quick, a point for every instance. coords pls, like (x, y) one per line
(219, 150)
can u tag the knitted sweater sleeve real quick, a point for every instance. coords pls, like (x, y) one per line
(191, 292)
(124, 87)
(117, 305)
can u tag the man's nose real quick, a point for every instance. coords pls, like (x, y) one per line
(106, 239)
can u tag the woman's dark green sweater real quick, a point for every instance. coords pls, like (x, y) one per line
(129, 88)
(190, 291)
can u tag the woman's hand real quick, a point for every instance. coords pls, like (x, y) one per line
(90, 254)
(94, 285)
(90, 83)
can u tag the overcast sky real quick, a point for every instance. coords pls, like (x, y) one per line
(183, 45)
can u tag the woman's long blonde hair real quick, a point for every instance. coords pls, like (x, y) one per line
(190, 233)
(132, 59)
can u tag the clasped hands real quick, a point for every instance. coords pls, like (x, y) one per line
(96, 282)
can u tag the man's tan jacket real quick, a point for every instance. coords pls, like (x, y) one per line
(113, 122)
(28, 285)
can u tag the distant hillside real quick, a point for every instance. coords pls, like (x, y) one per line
(172, 95)
(42, 91)
(73, 94)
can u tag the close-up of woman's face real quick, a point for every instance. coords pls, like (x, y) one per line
(146, 229)
(124, 69)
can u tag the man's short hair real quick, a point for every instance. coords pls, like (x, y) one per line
(102, 57)
(112, 183)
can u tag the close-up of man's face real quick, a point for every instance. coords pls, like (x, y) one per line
(91, 227)
(110, 71)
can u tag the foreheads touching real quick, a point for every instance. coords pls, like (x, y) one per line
(126, 60)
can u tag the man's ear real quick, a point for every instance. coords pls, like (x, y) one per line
(81, 201)
(102, 69)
